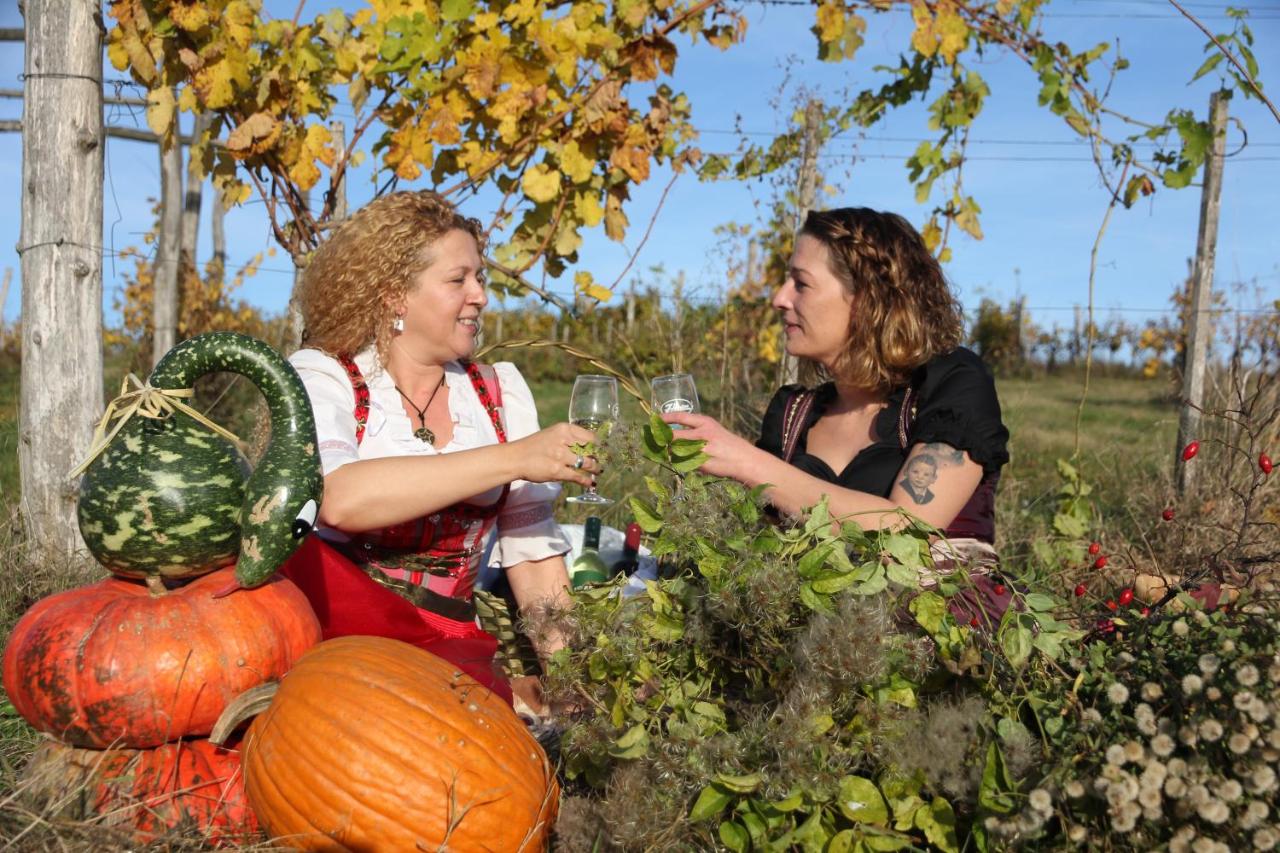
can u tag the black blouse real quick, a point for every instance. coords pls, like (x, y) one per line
(955, 403)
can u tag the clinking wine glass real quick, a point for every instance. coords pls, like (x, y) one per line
(593, 405)
(675, 392)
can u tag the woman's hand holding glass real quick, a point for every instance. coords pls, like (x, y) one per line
(730, 454)
(551, 456)
(593, 405)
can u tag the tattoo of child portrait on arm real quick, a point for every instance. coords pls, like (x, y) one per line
(922, 470)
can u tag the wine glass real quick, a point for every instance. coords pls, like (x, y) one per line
(675, 392)
(593, 404)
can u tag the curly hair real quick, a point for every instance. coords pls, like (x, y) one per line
(368, 264)
(904, 312)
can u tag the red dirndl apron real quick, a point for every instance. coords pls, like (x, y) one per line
(413, 581)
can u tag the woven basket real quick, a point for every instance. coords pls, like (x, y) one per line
(515, 653)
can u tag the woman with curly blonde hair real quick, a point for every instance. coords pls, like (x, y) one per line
(904, 419)
(424, 451)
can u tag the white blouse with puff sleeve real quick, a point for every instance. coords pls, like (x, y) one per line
(526, 528)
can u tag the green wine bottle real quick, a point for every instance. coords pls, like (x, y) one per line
(588, 567)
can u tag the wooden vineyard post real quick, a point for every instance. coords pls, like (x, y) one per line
(61, 251)
(1200, 325)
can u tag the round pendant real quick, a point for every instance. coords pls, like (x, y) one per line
(424, 434)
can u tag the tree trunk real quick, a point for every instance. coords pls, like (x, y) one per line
(193, 198)
(218, 234)
(61, 251)
(168, 255)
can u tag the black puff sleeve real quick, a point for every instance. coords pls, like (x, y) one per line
(957, 405)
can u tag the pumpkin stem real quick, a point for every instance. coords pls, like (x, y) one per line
(155, 585)
(248, 704)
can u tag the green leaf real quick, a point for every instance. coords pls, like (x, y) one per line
(1040, 602)
(841, 842)
(734, 836)
(792, 802)
(938, 820)
(746, 784)
(811, 563)
(1209, 64)
(902, 575)
(1069, 526)
(634, 743)
(929, 608)
(830, 584)
(861, 801)
(457, 10)
(993, 790)
(690, 464)
(710, 803)
(646, 516)
(905, 548)
(656, 488)
(660, 430)
(1015, 639)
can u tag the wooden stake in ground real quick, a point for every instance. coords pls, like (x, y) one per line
(61, 251)
(1201, 324)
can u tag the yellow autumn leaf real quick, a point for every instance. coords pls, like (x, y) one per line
(160, 106)
(633, 161)
(585, 283)
(576, 165)
(237, 22)
(187, 100)
(315, 147)
(830, 22)
(923, 40)
(189, 16)
(541, 183)
(952, 32)
(587, 206)
(931, 234)
(615, 220)
(253, 136)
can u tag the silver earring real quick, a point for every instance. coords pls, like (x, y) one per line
(397, 325)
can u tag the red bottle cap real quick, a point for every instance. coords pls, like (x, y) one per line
(632, 540)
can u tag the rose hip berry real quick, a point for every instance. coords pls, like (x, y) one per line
(1146, 611)
(1094, 548)
(1190, 450)
(1111, 604)
(1000, 589)
(1167, 515)
(1080, 590)
(1264, 462)
(973, 623)
(1126, 596)
(1101, 562)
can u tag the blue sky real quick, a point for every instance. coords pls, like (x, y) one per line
(1041, 198)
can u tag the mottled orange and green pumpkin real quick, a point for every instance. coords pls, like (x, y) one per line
(189, 786)
(374, 744)
(110, 664)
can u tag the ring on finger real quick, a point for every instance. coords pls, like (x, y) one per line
(578, 463)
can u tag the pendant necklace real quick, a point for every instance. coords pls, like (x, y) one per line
(422, 433)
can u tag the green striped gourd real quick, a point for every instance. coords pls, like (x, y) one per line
(170, 498)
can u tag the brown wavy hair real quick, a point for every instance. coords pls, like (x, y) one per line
(903, 313)
(368, 264)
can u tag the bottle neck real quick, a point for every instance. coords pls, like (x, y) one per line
(591, 534)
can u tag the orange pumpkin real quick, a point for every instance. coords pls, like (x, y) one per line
(111, 665)
(373, 744)
(179, 786)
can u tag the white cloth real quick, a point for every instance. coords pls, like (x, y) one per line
(526, 528)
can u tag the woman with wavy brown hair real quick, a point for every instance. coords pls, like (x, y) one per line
(903, 419)
(424, 451)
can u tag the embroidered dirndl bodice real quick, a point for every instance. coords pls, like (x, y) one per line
(432, 561)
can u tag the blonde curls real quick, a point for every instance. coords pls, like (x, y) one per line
(368, 265)
(903, 310)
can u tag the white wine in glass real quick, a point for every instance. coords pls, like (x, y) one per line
(593, 403)
(675, 392)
